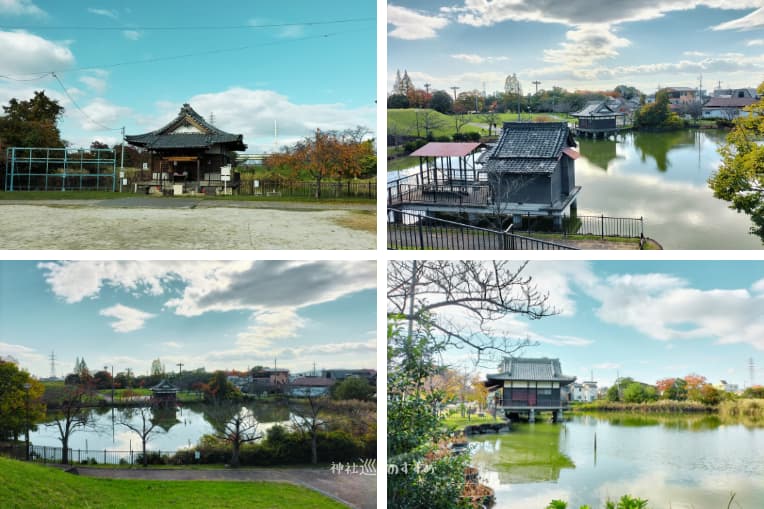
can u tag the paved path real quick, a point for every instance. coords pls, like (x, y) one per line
(353, 490)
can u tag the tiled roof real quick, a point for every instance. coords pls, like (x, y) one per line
(524, 165)
(729, 102)
(164, 386)
(595, 108)
(534, 369)
(312, 381)
(529, 147)
(206, 135)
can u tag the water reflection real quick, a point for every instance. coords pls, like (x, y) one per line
(672, 460)
(180, 427)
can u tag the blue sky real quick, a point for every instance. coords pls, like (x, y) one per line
(577, 44)
(301, 75)
(217, 315)
(646, 319)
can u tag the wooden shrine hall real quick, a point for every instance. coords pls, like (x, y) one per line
(188, 151)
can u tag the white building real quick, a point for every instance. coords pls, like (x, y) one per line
(584, 391)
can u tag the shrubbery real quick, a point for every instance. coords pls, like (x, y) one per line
(469, 136)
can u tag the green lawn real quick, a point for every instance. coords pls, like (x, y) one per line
(31, 486)
(404, 122)
(459, 422)
(402, 163)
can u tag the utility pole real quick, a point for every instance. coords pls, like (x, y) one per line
(180, 368)
(122, 160)
(751, 369)
(537, 83)
(52, 364)
(455, 89)
(427, 88)
(27, 386)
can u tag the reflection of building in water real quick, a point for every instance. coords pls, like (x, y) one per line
(658, 145)
(526, 386)
(526, 455)
(598, 152)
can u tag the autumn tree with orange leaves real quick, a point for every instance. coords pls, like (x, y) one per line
(329, 155)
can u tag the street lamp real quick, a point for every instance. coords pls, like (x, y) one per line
(106, 368)
(27, 386)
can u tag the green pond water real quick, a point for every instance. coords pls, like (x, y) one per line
(663, 178)
(677, 462)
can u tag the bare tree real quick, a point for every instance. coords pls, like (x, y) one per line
(491, 118)
(71, 415)
(145, 428)
(463, 302)
(307, 417)
(429, 120)
(237, 425)
(460, 120)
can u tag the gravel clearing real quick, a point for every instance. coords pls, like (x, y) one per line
(189, 225)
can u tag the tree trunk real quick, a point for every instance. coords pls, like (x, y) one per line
(318, 188)
(145, 458)
(313, 448)
(235, 454)
(65, 451)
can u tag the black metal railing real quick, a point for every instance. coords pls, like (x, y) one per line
(406, 230)
(50, 454)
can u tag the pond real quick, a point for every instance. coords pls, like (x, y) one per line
(663, 178)
(680, 462)
(180, 428)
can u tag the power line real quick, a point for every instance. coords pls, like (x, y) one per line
(186, 27)
(63, 87)
(42, 74)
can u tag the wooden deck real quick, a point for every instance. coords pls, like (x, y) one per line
(455, 196)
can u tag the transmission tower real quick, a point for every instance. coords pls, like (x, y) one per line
(52, 364)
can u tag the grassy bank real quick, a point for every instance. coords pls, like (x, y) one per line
(752, 408)
(663, 406)
(32, 486)
(459, 422)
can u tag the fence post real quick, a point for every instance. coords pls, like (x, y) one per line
(641, 227)
(602, 225)
(421, 234)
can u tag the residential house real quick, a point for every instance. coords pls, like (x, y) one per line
(727, 108)
(723, 385)
(584, 392)
(305, 386)
(340, 375)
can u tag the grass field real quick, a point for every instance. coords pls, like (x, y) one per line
(404, 122)
(459, 422)
(31, 486)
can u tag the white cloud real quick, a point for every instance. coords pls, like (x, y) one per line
(607, 365)
(235, 108)
(270, 325)
(96, 84)
(483, 13)
(132, 35)
(25, 53)
(477, 59)
(411, 25)
(750, 21)
(755, 42)
(20, 7)
(23, 354)
(100, 114)
(585, 46)
(127, 319)
(113, 14)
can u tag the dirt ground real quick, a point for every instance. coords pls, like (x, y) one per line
(184, 224)
(353, 490)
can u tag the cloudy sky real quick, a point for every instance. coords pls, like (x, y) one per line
(217, 315)
(577, 44)
(315, 69)
(648, 320)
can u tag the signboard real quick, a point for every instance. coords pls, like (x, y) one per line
(225, 171)
(124, 182)
(257, 183)
(225, 178)
(145, 166)
(122, 174)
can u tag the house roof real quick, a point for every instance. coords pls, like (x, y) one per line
(526, 147)
(596, 109)
(164, 386)
(531, 369)
(729, 102)
(312, 381)
(187, 130)
(443, 149)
